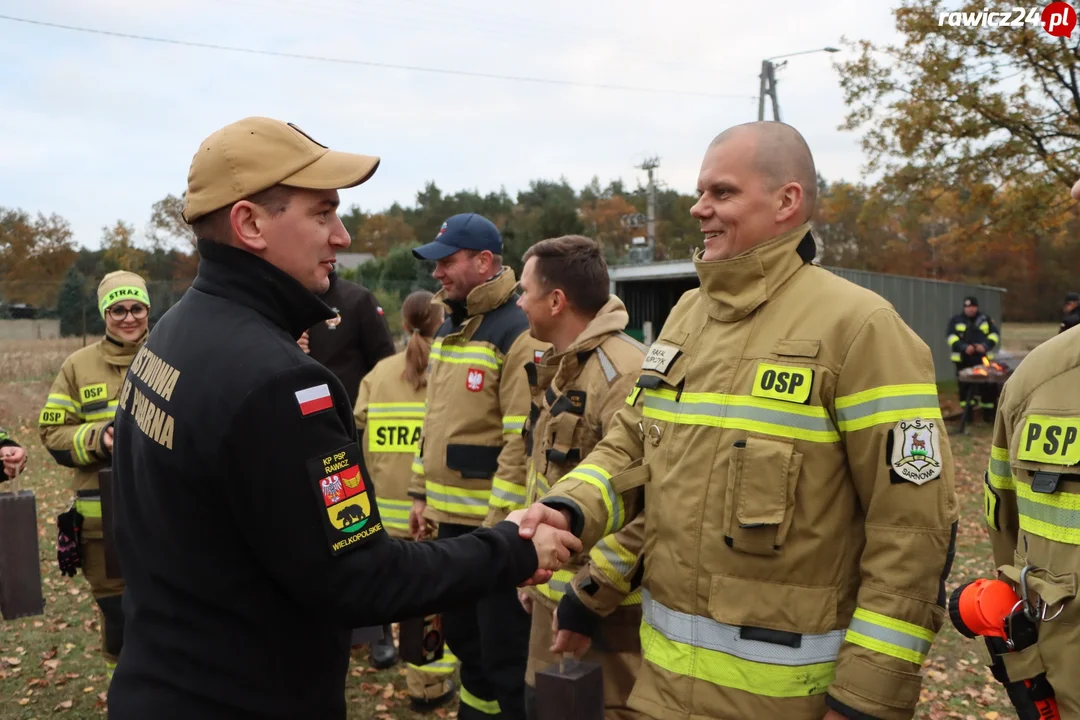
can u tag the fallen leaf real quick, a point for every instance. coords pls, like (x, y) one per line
(992, 715)
(11, 661)
(381, 708)
(88, 689)
(66, 705)
(388, 691)
(24, 701)
(51, 664)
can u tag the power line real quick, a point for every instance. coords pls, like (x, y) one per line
(370, 63)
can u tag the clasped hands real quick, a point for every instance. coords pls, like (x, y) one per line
(549, 530)
(14, 460)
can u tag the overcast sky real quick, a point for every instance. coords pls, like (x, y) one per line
(97, 128)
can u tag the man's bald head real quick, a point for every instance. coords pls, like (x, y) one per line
(781, 155)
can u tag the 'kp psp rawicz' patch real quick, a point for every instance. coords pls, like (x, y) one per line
(351, 516)
(916, 450)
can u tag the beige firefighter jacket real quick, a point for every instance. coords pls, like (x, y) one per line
(1032, 493)
(81, 404)
(785, 439)
(471, 465)
(390, 412)
(574, 395)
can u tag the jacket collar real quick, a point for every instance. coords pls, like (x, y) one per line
(562, 367)
(482, 298)
(117, 351)
(735, 287)
(242, 277)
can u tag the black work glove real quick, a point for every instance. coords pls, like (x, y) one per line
(68, 540)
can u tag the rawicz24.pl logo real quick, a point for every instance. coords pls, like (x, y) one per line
(1057, 18)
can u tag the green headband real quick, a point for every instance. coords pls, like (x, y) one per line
(126, 292)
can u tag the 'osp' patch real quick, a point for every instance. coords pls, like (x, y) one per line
(916, 450)
(351, 516)
(783, 382)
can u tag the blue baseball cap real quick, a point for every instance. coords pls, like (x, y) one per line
(467, 231)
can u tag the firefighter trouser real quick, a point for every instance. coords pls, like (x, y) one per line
(107, 591)
(974, 396)
(431, 681)
(616, 649)
(1057, 651)
(491, 641)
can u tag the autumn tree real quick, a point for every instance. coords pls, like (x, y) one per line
(34, 254)
(121, 252)
(380, 233)
(168, 229)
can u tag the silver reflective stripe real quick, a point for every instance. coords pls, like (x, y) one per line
(616, 515)
(516, 498)
(391, 409)
(702, 632)
(1000, 467)
(900, 402)
(609, 369)
(617, 561)
(558, 586)
(460, 499)
(775, 417)
(893, 637)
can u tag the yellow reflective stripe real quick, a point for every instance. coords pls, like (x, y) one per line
(633, 598)
(1054, 516)
(742, 412)
(984, 327)
(960, 327)
(505, 494)
(889, 636)
(56, 400)
(614, 561)
(993, 337)
(444, 666)
(955, 357)
(418, 465)
(633, 396)
(513, 423)
(457, 500)
(395, 513)
(107, 414)
(951, 339)
(470, 354)
(405, 410)
(999, 471)
(88, 507)
(887, 404)
(557, 586)
(488, 707)
(600, 478)
(720, 668)
(78, 443)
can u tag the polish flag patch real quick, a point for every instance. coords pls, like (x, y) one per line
(474, 381)
(538, 355)
(314, 399)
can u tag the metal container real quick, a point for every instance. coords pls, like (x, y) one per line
(570, 690)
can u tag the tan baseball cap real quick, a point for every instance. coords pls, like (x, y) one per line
(257, 153)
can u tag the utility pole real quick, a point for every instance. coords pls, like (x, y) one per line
(768, 81)
(648, 166)
(768, 87)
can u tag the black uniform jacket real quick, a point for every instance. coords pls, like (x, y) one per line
(248, 528)
(355, 337)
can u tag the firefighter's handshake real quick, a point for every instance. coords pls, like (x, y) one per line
(785, 444)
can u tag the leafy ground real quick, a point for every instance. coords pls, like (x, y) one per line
(49, 665)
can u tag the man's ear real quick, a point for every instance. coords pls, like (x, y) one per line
(790, 202)
(557, 302)
(245, 221)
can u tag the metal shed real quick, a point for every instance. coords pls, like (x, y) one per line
(650, 291)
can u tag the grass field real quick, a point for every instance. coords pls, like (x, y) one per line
(49, 665)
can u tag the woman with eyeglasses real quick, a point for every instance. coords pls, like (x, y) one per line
(76, 428)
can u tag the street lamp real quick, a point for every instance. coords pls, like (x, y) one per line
(768, 80)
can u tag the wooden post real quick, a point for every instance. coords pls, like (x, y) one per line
(20, 568)
(570, 690)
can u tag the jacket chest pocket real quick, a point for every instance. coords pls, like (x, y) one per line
(564, 446)
(661, 394)
(759, 501)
